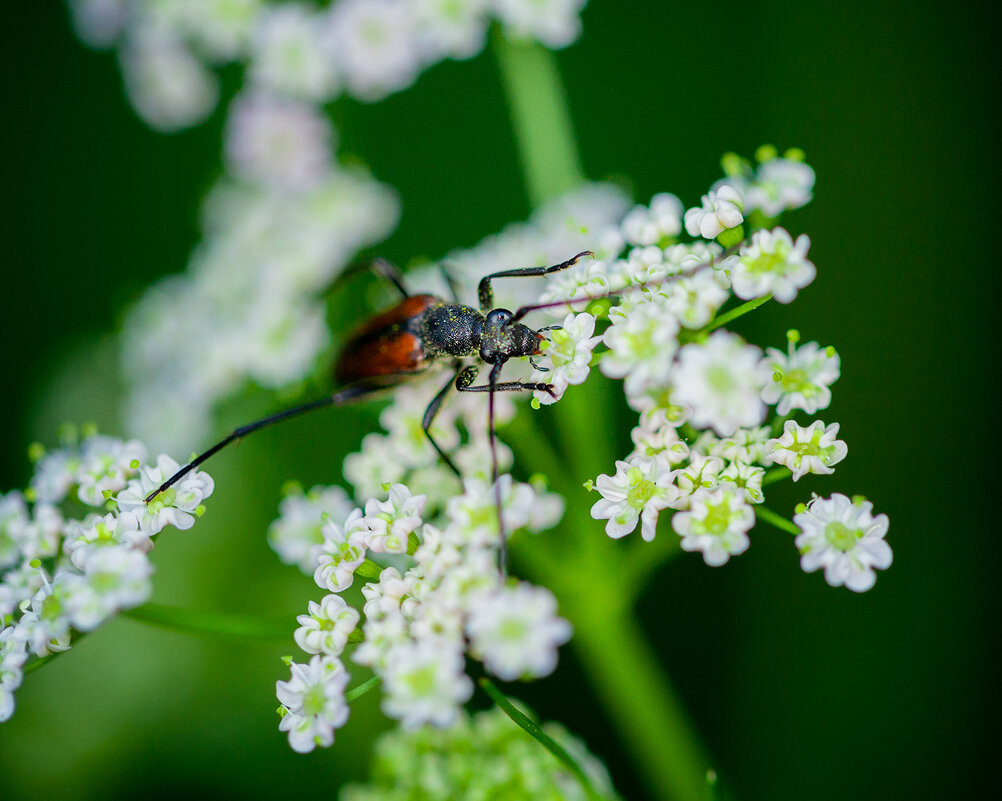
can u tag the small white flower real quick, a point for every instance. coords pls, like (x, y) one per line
(385, 598)
(694, 299)
(403, 418)
(568, 353)
(641, 346)
(167, 85)
(105, 466)
(662, 220)
(745, 477)
(291, 54)
(221, 29)
(637, 493)
(702, 473)
(54, 474)
(374, 465)
(44, 626)
(780, 185)
(282, 143)
(424, 683)
(392, 521)
(97, 532)
(772, 263)
(846, 539)
(300, 523)
(515, 631)
(656, 437)
(114, 577)
(314, 703)
(12, 659)
(177, 505)
(555, 23)
(381, 636)
(746, 445)
(721, 209)
(814, 449)
(374, 45)
(801, 377)
(453, 28)
(326, 628)
(341, 552)
(716, 524)
(587, 279)
(98, 22)
(473, 515)
(720, 380)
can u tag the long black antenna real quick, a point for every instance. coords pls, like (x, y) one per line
(339, 398)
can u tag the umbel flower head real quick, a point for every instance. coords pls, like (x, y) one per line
(66, 568)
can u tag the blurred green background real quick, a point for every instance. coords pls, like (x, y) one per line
(800, 691)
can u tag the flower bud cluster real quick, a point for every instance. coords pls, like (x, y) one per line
(498, 762)
(441, 598)
(74, 545)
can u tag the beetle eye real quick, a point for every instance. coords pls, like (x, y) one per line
(499, 317)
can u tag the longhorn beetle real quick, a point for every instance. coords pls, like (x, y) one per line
(409, 338)
(422, 329)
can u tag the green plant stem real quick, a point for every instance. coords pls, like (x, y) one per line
(780, 522)
(211, 623)
(638, 696)
(533, 730)
(733, 314)
(774, 475)
(361, 689)
(540, 117)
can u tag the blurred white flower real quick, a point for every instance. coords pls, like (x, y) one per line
(292, 54)
(720, 380)
(424, 683)
(167, 85)
(515, 631)
(282, 143)
(555, 23)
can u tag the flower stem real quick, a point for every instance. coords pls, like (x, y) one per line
(540, 117)
(194, 622)
(361, 689)
(534, 731)
(780, 522)
(733, 314)
(638, 697)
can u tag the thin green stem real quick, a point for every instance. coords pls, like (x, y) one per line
(777, 520)
(540, 117)
(212, 623)
(534, 731)
(733, 314)
(35, 664)
(774, 475)
(361, 689)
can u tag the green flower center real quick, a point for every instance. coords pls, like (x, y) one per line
(720, 379)
(641, 491)
(314, 700)
(512, 630)
(422, 681)
(841, 537)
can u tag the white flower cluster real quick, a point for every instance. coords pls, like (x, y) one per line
(449, 600)
(310, 51)
(73, 547)
(704, 393)
(249, 306)
(777, 184)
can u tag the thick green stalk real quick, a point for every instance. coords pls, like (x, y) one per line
(540, 117)
(638, 696)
